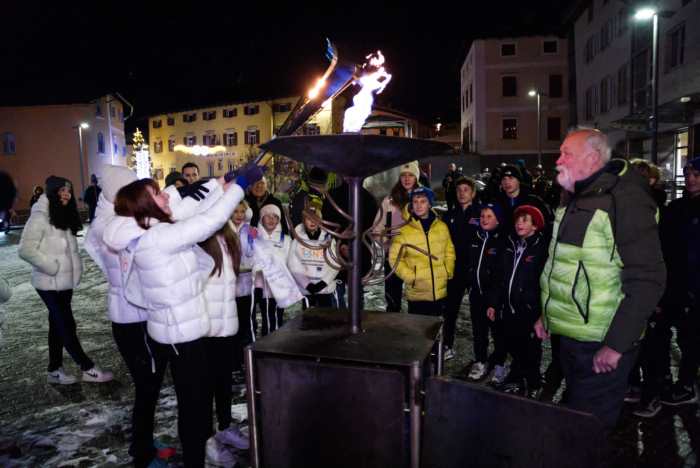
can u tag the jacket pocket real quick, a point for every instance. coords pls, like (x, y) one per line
(581, 291)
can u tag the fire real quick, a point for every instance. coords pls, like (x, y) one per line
(317, 88)
(372, 82)
(199, 150)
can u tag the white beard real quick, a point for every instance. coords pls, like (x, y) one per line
(564, 179)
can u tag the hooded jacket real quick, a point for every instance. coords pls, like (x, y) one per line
(118, 308)
(165, 274)
(425, 278)
(605, 272)
(486, 267)
(244, 281)
(308, 265)
(276, 244)
(220, 293)
(52, 253)
(523, 263)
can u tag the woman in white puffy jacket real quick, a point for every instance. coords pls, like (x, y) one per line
(313, 274)
(49, 245)
(275, 242)
(128, 320)
(163, 274)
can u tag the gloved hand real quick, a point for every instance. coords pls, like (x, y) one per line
(246, 175)
(196, 190)
(315, 288)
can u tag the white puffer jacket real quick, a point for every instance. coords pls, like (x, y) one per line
(53, 253)
(220, 295)
(277, 244)
(168, 277)
(244, 282)
(118, 308)
(308, 265)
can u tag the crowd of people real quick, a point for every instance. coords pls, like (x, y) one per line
(594, 260)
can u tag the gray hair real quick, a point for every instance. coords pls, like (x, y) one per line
(596, 139)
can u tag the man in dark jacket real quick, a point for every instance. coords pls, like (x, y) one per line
(603, 275)
(257, 196)
(515, 193)
(307, 194)
(448, 184)
(90, 197)
(463, 222)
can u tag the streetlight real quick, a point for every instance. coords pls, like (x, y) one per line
(82, 126)
(645, 14)
(536, 93)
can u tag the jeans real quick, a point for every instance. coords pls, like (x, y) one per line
(62, 331)
(272, 316)
(131, 340)
(456, 287)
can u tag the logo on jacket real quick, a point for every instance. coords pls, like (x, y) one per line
(529, 259)
(492, 251)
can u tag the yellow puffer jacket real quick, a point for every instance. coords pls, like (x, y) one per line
(426, 279)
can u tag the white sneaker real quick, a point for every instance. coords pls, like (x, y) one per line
(498, 375)
(60, 377)
(220, 455)
(478, 371)
(448, 354)
(96, 375)
(233, 436)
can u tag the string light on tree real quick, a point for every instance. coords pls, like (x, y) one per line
(140, 159)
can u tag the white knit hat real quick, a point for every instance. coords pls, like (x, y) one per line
(114, 178)
(270, 209)
(411, 168)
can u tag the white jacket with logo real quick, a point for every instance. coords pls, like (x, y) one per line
(276, 244)
(244, 283)
(309, 265)
(166, 274)
(53, 253)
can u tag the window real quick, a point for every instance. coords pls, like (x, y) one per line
(115, 148)
(396, 132)
(220, 165)
(190, 140)
(189, 117)
(112, 111)
(251, 109)
(230, 165)
(311, 129)
(508, 49)
(171, 121)
(588, 104)
(510, 129)
(157, 123)
(622, 87)
(252, 136)
(675, 47)
(100, 143)
(209, 139)
(98, 110)
(510, 86)
(471, 94)
(604, 97)
(121, 116)
(553, 128)
(550, 47)
(228, 113)
(8, 143)
(556, 85)
(171, 143)
(208, 115)
(382, 131)
(231, 138)
(172, 169)
(124, 151)
(210, 169)
(158, 146)
(281, 107)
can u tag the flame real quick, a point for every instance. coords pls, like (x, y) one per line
(199, 150)
(317, 88)
(372, 82)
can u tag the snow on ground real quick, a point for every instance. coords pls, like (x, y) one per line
(89, 424)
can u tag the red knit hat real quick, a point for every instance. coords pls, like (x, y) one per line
(534, 212)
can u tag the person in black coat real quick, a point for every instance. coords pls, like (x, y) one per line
(515, 193)
(524, 258)
(91, 195)
(258, 196)
(463, 222)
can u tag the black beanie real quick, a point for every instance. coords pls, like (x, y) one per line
(54, 183)
(512, 171)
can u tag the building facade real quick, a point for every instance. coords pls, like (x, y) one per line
(613, 69)
(498, 116)
(38, 141)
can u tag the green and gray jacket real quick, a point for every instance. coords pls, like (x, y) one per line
(605, 272)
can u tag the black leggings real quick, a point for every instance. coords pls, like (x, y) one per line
(220, 359)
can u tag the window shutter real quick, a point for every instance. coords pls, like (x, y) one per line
(257, 137)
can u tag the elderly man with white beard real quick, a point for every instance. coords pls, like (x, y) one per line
(604, 275)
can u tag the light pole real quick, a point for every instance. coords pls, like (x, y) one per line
(537, 94)
(81, 127)
(644, 14)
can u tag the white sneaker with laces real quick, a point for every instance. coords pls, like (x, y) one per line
(219, 454)
(234, 437)
(448, 354)
(60, 377)
(97, 375)
(498, 376)
(478, 371)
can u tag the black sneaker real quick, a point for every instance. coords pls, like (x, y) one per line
(679, 395)
(648, 410)
(633, 394)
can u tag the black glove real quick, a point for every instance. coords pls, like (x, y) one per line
(247, 175)
(315, 288)
(196, 190)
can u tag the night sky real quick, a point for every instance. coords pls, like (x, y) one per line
(175, 57)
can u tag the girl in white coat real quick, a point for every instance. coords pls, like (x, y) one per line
(162, 273)
(49, 244)
(275, 242)
(313, 274)
(247, 325)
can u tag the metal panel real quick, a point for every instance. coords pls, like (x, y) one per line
(321, 414)
(468, 425)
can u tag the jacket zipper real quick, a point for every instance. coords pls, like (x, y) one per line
(430, 261)
(554, 256)
(478, 267)
(516, 262)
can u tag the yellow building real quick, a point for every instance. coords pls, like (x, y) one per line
(238, 128)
